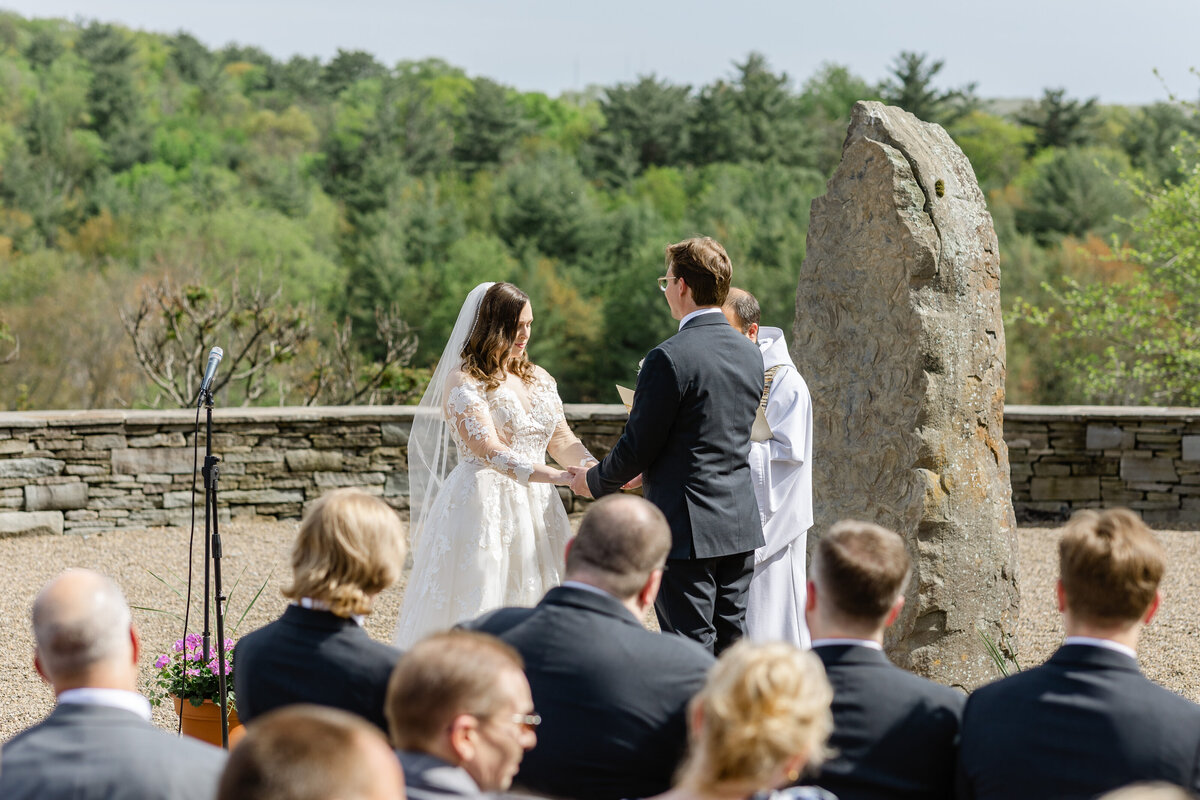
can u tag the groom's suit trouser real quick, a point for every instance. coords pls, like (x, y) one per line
(705, 599)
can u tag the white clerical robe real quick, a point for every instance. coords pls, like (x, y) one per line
(781, 469)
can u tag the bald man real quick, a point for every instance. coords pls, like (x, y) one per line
(612, 695)
(98, 742)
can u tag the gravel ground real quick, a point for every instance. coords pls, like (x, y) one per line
(255, 553)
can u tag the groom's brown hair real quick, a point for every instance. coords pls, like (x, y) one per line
(705, 268)
(621, 540)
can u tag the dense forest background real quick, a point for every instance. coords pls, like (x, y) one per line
(322, 221)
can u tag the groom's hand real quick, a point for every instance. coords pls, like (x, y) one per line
(579, 483)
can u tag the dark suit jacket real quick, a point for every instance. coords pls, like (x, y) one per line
(689, 436)
(90, 751)
(1083, 723)
(309, 656)
(894, 732)
(612, 695)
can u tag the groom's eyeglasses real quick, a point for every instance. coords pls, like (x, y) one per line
(665, 281)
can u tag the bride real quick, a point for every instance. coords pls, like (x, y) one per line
(489, 531)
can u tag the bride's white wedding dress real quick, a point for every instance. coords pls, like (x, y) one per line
(490, 538)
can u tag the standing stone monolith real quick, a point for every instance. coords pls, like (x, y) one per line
(899, 336)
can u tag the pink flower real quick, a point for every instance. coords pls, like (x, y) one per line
(178, 646)
(192, 672)
(162, 661)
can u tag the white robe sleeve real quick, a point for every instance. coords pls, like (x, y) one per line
(781, 467)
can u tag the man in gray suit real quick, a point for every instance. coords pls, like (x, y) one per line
(98, 742)
(461, 715)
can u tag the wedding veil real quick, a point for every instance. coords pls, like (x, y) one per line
(431, 451)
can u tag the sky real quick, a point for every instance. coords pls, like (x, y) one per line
(1013, 48)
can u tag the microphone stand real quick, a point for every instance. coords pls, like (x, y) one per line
(212, 557)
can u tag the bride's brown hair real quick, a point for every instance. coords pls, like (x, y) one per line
(486, 353)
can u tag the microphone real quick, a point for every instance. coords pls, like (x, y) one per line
(214, 358)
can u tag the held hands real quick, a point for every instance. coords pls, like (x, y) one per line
(579, 481)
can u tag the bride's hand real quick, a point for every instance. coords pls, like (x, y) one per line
(562, 479)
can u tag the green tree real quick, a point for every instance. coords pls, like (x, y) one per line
(490, 126)
(911, 87)
(755, 118)
(1072, 191)
(995, 147)
(1136, 340)
(1153, 134)
(347, 68)
(1059, 121)
(645, 124)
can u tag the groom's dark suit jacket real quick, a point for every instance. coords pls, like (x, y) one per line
(893, 733)
(688, 435)
(612, 695)
(1083, 723)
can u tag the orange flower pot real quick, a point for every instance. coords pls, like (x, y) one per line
(203, 722)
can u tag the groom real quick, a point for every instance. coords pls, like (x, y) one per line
(688, 435)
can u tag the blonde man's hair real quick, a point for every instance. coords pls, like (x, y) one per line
(442, 676)
(762, 705)
(1110, 565)
(350, 548)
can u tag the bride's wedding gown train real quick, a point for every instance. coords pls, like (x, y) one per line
(491, 537)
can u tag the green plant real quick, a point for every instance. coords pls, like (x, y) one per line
(999, 657)
(183, 673)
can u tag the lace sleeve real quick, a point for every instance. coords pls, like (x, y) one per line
(564, 446)
(467, 410)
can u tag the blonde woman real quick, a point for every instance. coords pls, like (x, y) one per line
(762, 717)
(349, 549)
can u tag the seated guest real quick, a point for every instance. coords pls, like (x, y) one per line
(612, 694)
(761, 718)
(893, 732)
(312, 753)
(1087, 721)
(349, 549)
(461, 715)
(98, 742)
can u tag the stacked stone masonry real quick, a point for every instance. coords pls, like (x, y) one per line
(77, 471)
(1065, 458)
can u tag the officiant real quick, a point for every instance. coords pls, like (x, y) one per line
(781, 466)
(688, 437)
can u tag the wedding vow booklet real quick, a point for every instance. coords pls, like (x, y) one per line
(759, 433)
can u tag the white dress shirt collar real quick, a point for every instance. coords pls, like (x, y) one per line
(1107, 644)
(698, 312)
(113, 698)
(321, 605)
(870, 643)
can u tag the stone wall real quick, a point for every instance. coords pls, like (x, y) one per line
(77, 471)
(85, 470)
(1065, 458)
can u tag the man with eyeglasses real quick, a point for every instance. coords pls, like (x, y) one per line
(461, 715)
(614, 694)
(687, 441)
